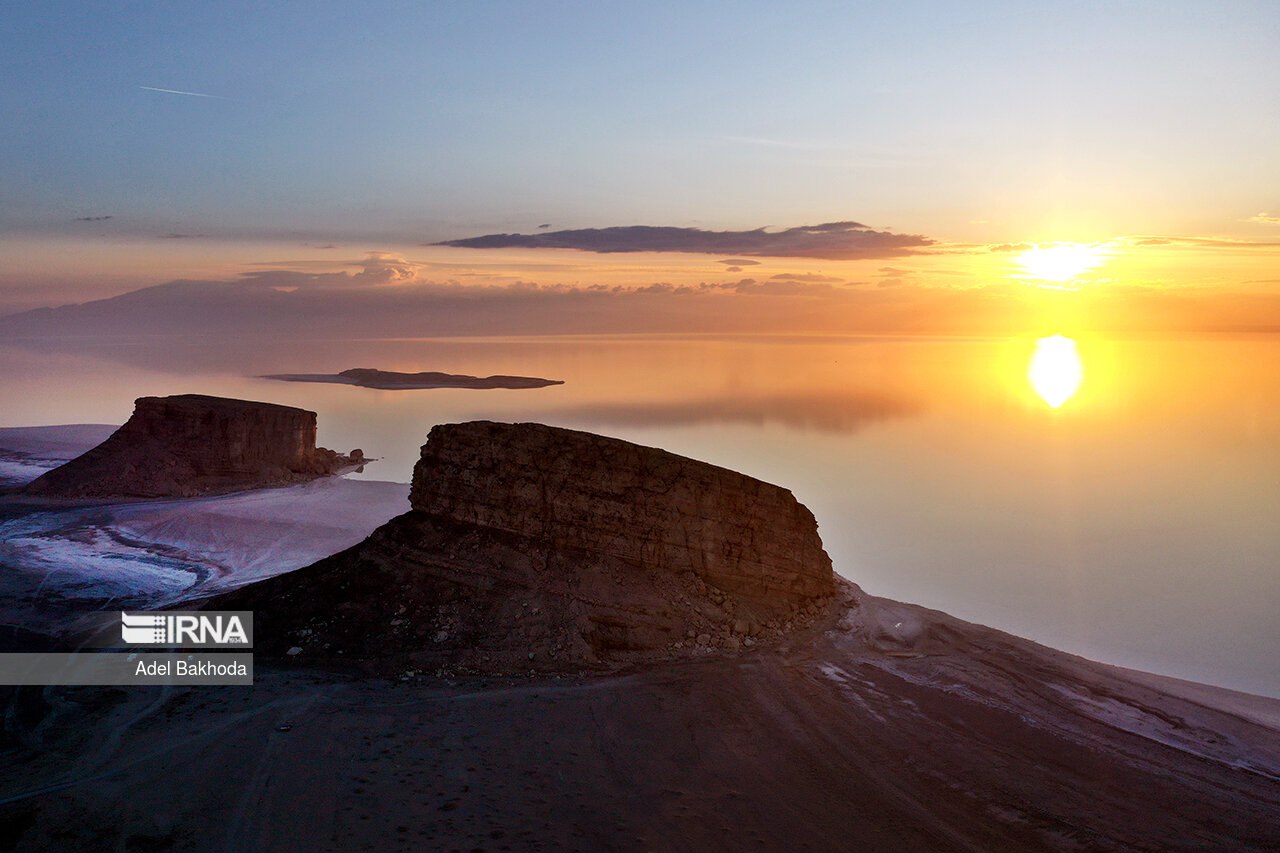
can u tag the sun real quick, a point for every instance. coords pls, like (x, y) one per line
(1060, 262)
(1056, 371)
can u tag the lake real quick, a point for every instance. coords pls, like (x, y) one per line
(1137, 522)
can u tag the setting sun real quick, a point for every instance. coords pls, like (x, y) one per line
(1056, 371)
(1060, 262)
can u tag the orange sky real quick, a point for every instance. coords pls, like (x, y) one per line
(928, 144)
(1138, 283)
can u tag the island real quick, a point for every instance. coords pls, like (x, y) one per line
(390, 380)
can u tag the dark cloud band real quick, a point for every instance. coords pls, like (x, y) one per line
(829, 241)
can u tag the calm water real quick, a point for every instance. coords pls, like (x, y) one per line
(1138, 524)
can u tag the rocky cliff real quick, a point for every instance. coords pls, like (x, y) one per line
(578, 491)
(529, 546)
(191, 444)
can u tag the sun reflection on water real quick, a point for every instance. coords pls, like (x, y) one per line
(1056, 371)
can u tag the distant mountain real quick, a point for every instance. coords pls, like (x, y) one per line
(255, 306)
(288, 304)
(176, 306)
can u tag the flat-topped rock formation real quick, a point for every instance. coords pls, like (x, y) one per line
(534, 547)
(579, 491)
(390, 380)
(191, 444)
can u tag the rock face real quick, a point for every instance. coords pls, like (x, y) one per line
(529, 546)
(578, 491)
(191, 444)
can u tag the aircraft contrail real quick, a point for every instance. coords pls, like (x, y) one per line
(180, 92)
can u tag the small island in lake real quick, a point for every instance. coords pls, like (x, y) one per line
(390, 380)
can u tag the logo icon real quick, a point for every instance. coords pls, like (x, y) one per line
(183, 629)
(143, 629)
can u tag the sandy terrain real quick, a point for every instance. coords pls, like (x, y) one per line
(60, 558)
(888, 728)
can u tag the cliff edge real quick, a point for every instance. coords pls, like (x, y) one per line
(534, 547)
(191, 444)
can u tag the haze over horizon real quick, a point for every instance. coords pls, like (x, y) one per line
(871, 168)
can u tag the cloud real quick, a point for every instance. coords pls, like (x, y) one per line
(1011, 247)
(1206, 242)
(809, 277)
(94, 218)
(739, 262)
(386, 268)
(830, 240)
(180, 92)
(175, 235)
(784, 286)
(1265, 218)
(373, 270)
(544, 225)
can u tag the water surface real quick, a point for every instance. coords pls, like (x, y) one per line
(1137, 522)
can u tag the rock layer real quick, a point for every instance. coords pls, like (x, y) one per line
(576, 490)
(530, 546)
(192, 444)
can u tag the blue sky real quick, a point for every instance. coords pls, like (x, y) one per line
(449, 119)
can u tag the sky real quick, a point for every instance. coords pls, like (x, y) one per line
(150, 142)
